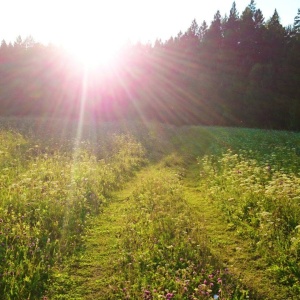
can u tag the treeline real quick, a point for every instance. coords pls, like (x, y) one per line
(239, 70)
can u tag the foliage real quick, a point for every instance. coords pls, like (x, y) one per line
(163, 252)
(47, 198)
(57, 181)
(241, 70)
(259, 193)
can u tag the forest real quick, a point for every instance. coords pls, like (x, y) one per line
(170, 173)
(239, 70)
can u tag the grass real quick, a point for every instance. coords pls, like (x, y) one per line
(264, 209)
(147, 245)
(227, 245)
(147, 211)
(47, 201)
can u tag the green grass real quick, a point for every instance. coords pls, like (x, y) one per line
(47, 199)
(147, 244)
(260, 202)
(147, 211)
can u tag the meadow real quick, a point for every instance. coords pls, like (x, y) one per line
(147, 211)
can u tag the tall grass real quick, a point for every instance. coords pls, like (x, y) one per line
(163, 250)
(47, 197)
(259, 191)
(54, 179)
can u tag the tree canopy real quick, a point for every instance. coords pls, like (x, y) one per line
(239, 70)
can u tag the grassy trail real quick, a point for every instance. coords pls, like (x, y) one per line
(212, 200)
(226, 245)
(91, 275)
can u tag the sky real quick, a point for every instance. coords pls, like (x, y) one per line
(65, 22)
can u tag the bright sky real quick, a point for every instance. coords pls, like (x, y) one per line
(71, 21)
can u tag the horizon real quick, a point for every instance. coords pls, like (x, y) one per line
(66, 23)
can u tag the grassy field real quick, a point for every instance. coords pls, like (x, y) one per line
(147, 211)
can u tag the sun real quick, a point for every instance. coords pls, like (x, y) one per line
(93, 55)
(90, 37)
(91, 49)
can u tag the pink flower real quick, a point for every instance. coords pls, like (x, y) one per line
(169, 296)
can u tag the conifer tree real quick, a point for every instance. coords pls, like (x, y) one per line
(18, 42)
(231, 28)
(275, 37)
(202, 31)
(213, 37)
(297, 23)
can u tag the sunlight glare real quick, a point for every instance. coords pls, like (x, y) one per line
(94, 40)
(92, 55)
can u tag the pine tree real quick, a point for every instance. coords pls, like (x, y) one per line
(275, 39)
(247, 38)
(213, 37)
(28, 42)
(259, 19)
(193, 29)
(191, 37)
(231, 28)
(297, 23)
(3, 45)
(18, 42)
(202, 31)
(252, 6)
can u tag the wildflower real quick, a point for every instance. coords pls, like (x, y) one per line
(147, 295)
(216, 297)
(169, 296)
